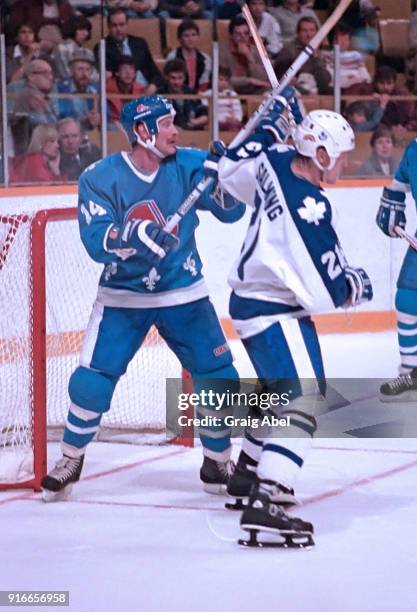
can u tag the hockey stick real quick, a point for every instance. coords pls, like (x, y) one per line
(263, 54)
(267, 64)
(254, 120)
(403, 234)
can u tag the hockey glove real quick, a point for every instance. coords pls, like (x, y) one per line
(275, 122)
(142, 238)
(217, 150)
(360, 286)
(219, 195)
(391, 212)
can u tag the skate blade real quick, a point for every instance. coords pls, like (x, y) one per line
(214, 489)
(240, 503)
(289, 539)
(55, 496)
(407, 396)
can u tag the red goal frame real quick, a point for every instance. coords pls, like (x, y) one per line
(38, 336)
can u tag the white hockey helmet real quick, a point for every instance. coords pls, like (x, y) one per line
(323, 128)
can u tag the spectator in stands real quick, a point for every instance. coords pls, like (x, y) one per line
(39, 12)
(288, 16)
(353, 71)
(138, 9)
(412, 43)
(241, 57)
(400, 115)
(183, 9)
(364, 118)
(83, 109)
(198, 64)
(366, 38)
(25, 49)
(41, 163)
(77, 153)
(122, 82)
(268, 26)
(119, 43)
(381, 161)
(354, 15)
(315, 66)
(229, 9)
(191, 114)
(229, 109)
(78, 32)
(31, 106)
(87, 7)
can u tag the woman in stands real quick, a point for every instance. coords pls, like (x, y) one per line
(41, 163)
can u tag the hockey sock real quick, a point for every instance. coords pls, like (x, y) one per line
(252, 447)
(406, 305)
(215, 390)
(80, 428)
(282, 457)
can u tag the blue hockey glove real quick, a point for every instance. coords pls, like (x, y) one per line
(275, 122)
(143, 238)
(360, 286)
(295, 110)
(391, 212)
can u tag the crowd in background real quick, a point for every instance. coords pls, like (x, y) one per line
(52, 74)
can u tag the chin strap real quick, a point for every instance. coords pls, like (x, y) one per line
(322, 168)
(149, 144)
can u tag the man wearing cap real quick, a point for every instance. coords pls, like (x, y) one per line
(32, 105)
(83, 103)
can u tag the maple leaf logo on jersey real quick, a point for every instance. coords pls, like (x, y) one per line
(312, 211)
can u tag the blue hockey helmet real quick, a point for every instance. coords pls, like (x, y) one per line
(147, 110)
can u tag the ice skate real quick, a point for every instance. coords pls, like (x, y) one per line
(265, 516)
(400, 389)
(57, 485)
(215, 475)
(240, 484)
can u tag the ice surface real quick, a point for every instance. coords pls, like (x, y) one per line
(140, 535)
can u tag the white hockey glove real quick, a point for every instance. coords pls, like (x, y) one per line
(360, 286)
(142, 238)
(219, 195)
(391, 212)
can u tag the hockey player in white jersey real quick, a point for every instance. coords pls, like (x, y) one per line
(150, 277)
(291, 266)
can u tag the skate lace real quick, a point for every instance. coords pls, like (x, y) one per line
(400, 382)
(227, 468)
(64, 468)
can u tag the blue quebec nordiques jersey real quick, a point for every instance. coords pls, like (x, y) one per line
(113, 191)
(291, 263)
(405, 178)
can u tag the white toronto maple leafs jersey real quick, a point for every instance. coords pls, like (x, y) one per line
(291, 262)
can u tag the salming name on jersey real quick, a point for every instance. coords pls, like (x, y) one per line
(112, 192)
(291, 262)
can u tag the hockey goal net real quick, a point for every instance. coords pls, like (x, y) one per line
(48, 285)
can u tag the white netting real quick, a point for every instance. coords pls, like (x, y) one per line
(138, 407)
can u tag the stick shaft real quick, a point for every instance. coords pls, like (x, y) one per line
(254, 120)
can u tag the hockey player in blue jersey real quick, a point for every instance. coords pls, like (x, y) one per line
(291, 266)
(391, 214)
(150, 277)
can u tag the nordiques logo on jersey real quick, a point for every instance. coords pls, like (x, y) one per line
(148, 210)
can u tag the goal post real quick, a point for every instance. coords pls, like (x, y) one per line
(48, 285)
